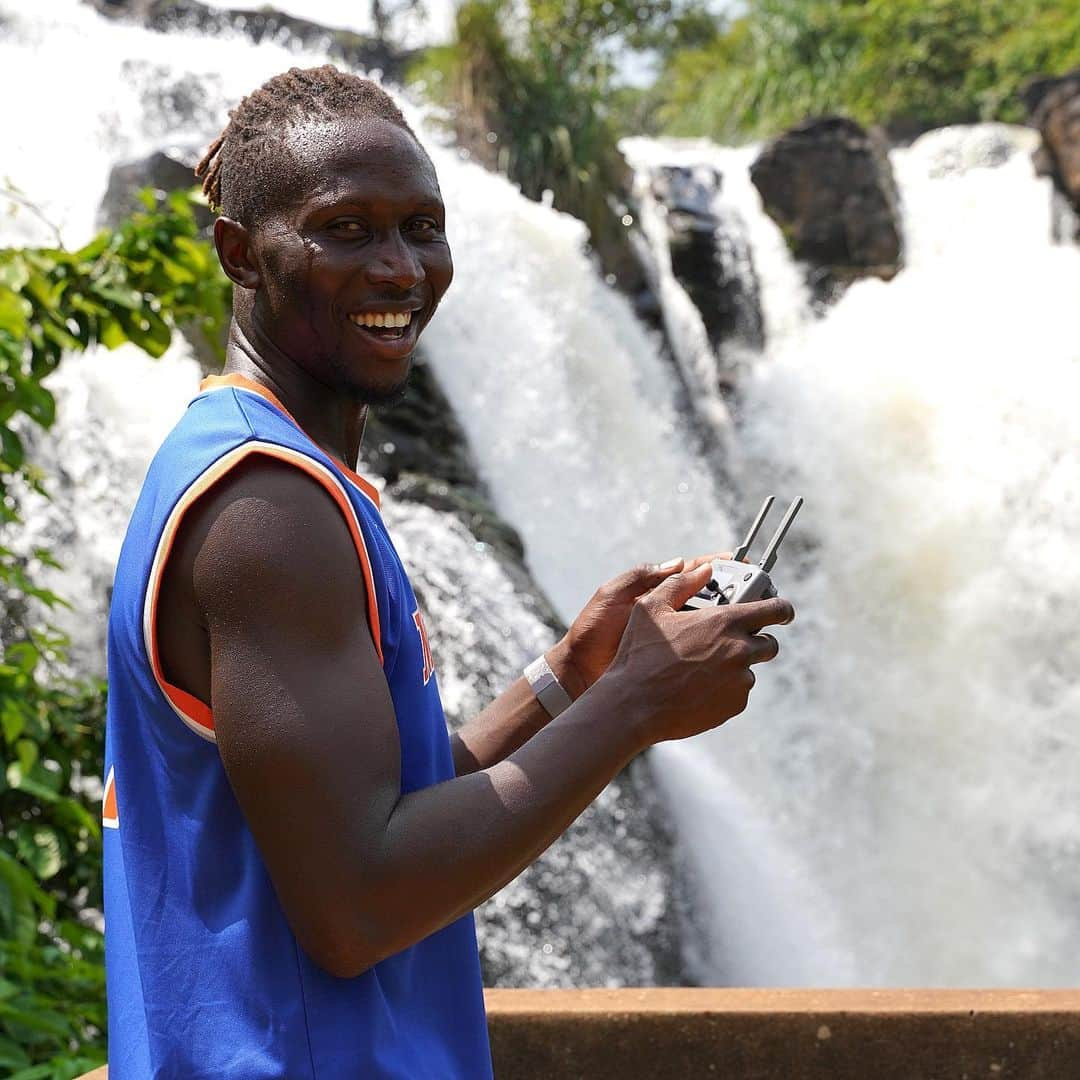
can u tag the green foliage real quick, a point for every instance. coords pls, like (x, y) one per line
(533, 94)
(910, 64)
(137, 283)
(52, 989)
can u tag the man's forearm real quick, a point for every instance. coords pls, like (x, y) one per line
(448, 847)
(513, 718)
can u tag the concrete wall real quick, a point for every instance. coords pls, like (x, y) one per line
(783, 1034)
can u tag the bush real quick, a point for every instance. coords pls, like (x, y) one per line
(137, 283)
(535, 96)
(907, 64)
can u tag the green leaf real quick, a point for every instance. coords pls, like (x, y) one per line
(147, 330)
(37, 402)
(38, 1072)
(12, 716)
(61, 336)
(111, 334)
(14, 312)
(13, 272)
(21, 899)
(128, 299)
(27, 752)
(39, 848)
(12, 1056)
(11, 447)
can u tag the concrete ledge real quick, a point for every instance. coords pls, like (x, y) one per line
(785, 1034)
(782, 1034)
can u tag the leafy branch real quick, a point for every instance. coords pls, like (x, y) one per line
(138, 284)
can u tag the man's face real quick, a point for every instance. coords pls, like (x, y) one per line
(360, 251)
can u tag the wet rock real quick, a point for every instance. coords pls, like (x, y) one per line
(419, 434)
(709, 256)
(829, 186)
(1053, 106)
(596, 909)
(158, 171)
(161, 173)
(263, 24)
(599, 907)
(419, 448)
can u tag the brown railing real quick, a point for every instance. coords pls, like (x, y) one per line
(783, 1034)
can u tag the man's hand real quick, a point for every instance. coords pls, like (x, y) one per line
(589, 646)
(690, 670)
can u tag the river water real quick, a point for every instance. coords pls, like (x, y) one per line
(900, 805)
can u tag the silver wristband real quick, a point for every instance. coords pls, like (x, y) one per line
(548, 690)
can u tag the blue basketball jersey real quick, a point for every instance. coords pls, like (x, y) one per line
(205, 977)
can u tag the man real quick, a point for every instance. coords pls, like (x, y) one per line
(296, 844)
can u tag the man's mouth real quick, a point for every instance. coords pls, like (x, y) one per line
(386, 325)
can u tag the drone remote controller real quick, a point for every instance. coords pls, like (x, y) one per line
(738, 582)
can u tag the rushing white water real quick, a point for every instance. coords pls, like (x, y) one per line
(784, 296)
(914, 763)
(900, 803)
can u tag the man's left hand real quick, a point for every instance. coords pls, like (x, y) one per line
(589, 646)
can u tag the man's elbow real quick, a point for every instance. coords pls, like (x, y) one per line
(343, 955)
(342, 945)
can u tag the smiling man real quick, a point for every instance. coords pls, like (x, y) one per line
(294, 842)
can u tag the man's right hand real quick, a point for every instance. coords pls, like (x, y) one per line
(693, 667)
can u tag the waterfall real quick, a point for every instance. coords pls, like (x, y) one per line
(900, 804)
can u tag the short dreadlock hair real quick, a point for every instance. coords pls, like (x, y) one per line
(248, 169)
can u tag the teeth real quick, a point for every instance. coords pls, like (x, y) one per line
(383, 319)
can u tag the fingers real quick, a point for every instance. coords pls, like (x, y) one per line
(678, 588)
(700, 560)
(640, 579)
(756, 614)
(763, 648)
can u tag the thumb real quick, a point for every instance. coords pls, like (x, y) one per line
(677, 589)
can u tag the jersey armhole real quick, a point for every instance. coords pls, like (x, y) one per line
(196, 714)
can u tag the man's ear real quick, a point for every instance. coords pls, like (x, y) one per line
(233, 243)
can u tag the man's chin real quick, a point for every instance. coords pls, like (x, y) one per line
(376, 394)
(392, 395)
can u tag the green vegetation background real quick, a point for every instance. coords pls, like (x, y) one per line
(138, 284)
(538, 96)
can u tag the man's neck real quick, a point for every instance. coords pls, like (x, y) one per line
(331, 419)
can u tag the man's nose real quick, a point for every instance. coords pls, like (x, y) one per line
(394, 261)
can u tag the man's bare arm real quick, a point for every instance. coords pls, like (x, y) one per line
(579, 659)
(307, 732)
(513, 718)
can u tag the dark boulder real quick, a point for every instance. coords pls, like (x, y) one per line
(419, 448)
(1053, 106)
(829, 186)
(263, 24)
(710, 257)
(158, 171)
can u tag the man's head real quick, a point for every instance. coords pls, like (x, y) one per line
(331, 221)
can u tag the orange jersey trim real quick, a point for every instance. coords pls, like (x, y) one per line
(242, 382)
(196, 714)
(110, 818)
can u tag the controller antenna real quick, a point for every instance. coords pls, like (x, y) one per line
(768, 560)
(741, 551)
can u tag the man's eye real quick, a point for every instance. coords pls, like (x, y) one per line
(423, 225)
(348, 226)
